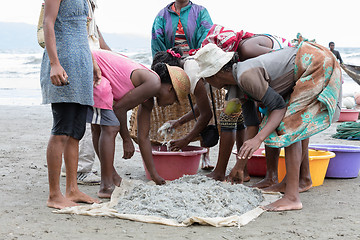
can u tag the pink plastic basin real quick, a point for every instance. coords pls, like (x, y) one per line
(173, 165)
(256, 165)
(346, 163)
(348, 115)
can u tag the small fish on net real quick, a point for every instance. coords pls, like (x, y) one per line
(190, 196)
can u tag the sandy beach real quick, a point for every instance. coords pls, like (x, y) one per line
(330, 211)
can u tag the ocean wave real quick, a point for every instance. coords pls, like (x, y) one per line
(33, 60)
(354, 55)
(7, 89)
(143, 58)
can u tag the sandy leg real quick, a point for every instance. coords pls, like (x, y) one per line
(291, 198)
(106, 190)
(246, 175)
(305, 182)
(104, 145)
(205, 161)
(271, 177)
(59, 144)
(227, 140)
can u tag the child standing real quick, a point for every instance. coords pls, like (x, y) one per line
(126, 84)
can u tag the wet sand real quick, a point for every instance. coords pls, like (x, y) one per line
(330, 211)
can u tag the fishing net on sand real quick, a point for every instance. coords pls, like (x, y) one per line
(182, 202)
(348, 131)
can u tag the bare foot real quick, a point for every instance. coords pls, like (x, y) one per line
(304, 185)
(266, 182)
(216, 176)
(279, 187)
(80, 197)
(283, 204)
(60, 202)
(105, 192)
(205, 163)
(117, 179)
(246, 177)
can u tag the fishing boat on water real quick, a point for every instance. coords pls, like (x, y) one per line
(353, 72)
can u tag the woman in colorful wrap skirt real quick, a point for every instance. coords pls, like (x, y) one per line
(300, 88)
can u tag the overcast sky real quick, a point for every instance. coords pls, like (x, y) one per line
(324, 20)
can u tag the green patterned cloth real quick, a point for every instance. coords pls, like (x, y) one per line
(312, 104)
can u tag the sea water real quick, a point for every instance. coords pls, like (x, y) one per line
(20, 74)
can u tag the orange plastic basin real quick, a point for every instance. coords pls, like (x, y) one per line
(318, 163)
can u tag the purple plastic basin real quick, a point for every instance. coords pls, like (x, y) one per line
(346, 163)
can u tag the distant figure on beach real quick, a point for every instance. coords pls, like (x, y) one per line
(336, 53)
(126, 84)
(67, 78)
(300, 94)
(182, 24)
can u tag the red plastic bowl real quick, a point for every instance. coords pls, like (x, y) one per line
(173, 165)
(348, 115)
(257, 163)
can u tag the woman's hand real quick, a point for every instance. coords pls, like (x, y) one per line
(158, 180)
(168, 127)
(178, 144)
(58, 75)
(174, 124)
(248, 148)
(129, 149)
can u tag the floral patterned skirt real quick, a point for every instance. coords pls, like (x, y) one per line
(312, 104)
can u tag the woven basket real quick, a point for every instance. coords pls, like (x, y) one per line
(161, 115)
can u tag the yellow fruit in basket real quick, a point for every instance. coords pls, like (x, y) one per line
(232, 106)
